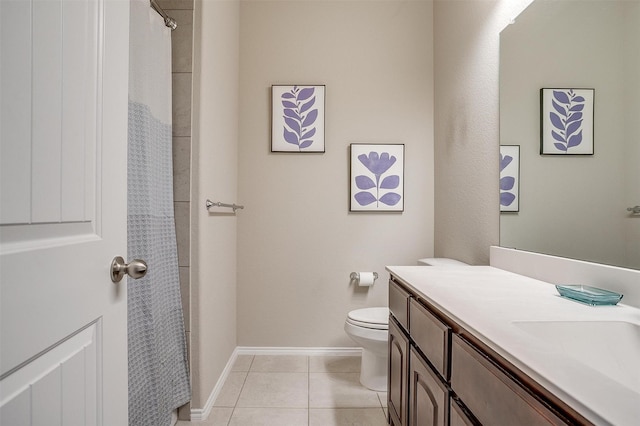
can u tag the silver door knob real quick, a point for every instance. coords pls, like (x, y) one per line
(135, 269)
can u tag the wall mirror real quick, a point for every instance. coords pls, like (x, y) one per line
(574, 206)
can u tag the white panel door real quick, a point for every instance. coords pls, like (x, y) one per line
(63, 162)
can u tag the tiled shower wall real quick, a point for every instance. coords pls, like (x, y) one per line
(182, 67)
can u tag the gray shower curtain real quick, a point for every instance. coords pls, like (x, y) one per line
(158, 369)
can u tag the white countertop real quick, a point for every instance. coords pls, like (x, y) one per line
(488, 301)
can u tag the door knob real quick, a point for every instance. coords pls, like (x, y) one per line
(135, 269)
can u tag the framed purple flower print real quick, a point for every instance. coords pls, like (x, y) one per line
(566, 126)
(509, 178)
(297, 118)
(377, 177)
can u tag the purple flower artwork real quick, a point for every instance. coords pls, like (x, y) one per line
(509, 175)
(377, 177)
(298, 118)
(567, 121)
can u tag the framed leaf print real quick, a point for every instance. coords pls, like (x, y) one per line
(297, 118)
(509, 178)
(377, 177)
(566, 121)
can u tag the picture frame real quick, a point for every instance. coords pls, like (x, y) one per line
(298, 118)
(509, 178)
(566, 121)
(376, 182)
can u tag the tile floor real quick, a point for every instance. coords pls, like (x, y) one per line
(291, 390)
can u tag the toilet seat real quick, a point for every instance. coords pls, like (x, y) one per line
(373, 318)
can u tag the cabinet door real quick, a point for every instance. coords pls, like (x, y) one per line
(428, 395)
(398, 368)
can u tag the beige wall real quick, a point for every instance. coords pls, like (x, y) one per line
(466, 125)
(297, 241)
(214, 171)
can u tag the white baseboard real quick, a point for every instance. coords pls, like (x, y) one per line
(201, 414)
(258, 350)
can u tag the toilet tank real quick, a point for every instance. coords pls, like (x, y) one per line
(441, 261)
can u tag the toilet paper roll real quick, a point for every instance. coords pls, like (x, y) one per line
(366, 279)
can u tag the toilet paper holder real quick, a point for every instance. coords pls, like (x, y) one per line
(355, 276)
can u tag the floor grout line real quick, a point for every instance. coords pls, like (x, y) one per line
(235, 405)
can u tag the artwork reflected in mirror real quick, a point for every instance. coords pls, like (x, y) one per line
(566, 121)
(509, 178)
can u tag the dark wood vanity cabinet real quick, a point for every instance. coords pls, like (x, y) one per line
(418, 393)
(398, 388)
(398, 367)
(439, 375)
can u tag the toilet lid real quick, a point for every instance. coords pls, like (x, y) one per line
(377, 318)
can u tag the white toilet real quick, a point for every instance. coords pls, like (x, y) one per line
(369, 328)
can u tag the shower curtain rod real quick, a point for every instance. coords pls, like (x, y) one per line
(168, 21)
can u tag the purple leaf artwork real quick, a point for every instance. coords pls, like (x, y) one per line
(567, 119)
(377, 177)
(298, 118)
(567, 116)
(509, 175)
(506, 182)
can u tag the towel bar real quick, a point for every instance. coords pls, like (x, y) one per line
(234, 206)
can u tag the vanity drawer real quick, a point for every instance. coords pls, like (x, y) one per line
(492, 396)
(398, 303)
(431, 336)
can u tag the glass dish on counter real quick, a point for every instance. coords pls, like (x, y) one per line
(590, 295)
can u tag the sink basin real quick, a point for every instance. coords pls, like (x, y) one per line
(609, 347)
